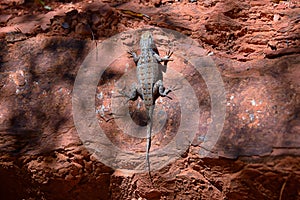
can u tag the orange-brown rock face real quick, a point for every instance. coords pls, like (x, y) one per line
(254, 46)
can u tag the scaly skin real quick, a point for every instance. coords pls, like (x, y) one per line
(150, 84)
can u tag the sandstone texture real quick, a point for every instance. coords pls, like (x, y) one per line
(255, 46)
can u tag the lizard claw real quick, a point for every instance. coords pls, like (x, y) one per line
(110, 116)
(175, 87)
(122, 93)
(169, 54)
(131, 52)
(169, 97)
(133, 55)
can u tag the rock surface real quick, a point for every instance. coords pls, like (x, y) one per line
(255, 46)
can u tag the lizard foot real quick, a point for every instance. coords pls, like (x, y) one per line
(174, 87)
(133, 55)
(167, 56)
(109, 116)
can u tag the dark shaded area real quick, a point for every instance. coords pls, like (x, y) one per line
(37, 83)
(35, 110)
(17, 185)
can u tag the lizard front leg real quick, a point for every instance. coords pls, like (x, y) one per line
(132, 95)
(134, 56)
(164, 59)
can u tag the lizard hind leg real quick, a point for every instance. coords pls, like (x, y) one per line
(131, 95)
(133, 55)
(162, 91)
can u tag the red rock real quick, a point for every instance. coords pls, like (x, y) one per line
(4, 18)
(257, 153)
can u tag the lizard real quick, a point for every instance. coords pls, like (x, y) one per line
(150, 85)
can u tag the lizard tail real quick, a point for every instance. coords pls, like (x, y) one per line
(149, 131)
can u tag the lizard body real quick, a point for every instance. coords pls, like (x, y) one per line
(150, 84)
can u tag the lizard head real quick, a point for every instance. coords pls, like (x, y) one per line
(146, 41)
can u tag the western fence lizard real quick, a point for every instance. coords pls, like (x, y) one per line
(150, 84)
